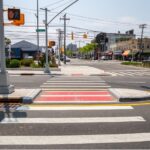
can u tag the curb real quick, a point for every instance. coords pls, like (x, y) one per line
(31, 96)
(122, 98)
(26, 98)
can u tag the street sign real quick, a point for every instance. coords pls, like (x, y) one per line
(40, 30)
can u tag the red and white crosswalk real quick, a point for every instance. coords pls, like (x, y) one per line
(74, 96)
(73, 89)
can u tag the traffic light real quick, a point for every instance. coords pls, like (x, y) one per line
(13, 14)
(19, 22)
(101, 38)
(85, 36)
(72, 36)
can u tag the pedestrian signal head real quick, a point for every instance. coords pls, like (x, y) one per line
(13, 14)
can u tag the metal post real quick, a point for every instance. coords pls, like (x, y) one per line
(47, 70)
(65, 39)
(5, 87)
(142, 26)
(59, 45)
(37, 24)
(64, 18)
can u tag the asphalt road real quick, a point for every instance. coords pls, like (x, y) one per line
(83, 127)
(122, 76)
(65, 133)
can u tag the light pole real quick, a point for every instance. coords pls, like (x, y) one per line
(59, 44)
(5, 87)
(37, 24)
(47, 70)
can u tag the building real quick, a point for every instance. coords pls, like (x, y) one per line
(131, 48)
(112, 39)
(72, 47)
(22, 49)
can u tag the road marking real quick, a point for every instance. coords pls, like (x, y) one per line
(60, 108)
(87, 83)
(72, 120)
(76, 81)
(75, 139)
(73, 86)
(76, 92)
(50, 96)
(72, 89)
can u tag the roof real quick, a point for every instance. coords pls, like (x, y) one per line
(25, 46)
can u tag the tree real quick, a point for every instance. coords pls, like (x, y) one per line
(7, 41)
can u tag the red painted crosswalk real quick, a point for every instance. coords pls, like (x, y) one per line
(74, 96)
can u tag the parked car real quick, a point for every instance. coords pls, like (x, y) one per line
(104, 58)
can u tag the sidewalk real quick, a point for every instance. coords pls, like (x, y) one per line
(28, 95)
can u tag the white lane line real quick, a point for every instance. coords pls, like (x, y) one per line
(75, 139)
(34, 108)
(75, 95)
(72, 120)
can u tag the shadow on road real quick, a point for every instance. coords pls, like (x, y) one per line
(8, 110)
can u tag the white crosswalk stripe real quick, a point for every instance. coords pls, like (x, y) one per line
(67, 139)
(75, 83)
(129, 73)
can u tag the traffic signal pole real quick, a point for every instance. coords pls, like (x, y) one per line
(5, 87)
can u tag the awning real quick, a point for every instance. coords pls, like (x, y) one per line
(126, 53)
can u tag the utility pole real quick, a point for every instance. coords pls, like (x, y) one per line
(65, 19)
(37, 24)
(5, 87)
(59, 44)
(142, 26)
(47, 70)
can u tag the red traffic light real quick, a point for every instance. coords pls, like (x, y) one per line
(13, 14)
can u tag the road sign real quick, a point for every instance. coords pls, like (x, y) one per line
(40, 30)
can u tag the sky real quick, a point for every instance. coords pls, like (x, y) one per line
(86, 16)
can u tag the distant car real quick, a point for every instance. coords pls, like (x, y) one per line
(104, 58)
(67, 59)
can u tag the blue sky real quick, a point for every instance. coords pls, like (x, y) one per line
(110, 15)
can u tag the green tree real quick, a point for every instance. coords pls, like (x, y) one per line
(7, 41)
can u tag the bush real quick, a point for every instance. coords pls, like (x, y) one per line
(146, 64)
(34, 65)
(27, 62)
(7, 63)
(53, 65)
(14, 63)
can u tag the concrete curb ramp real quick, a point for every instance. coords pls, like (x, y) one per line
(20, 96)
(130, 95)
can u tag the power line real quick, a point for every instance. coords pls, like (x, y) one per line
(61, 5)
(53, 3)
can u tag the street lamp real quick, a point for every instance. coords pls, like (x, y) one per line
(47, 70)
(5, 87)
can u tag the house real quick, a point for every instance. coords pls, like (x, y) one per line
(23, 49)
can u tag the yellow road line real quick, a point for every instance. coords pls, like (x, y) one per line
(89, 105)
